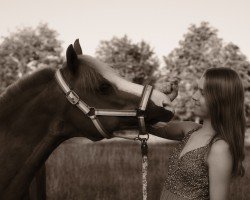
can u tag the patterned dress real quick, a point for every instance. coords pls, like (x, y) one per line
(187, 175)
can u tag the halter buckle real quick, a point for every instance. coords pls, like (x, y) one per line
(72, 97)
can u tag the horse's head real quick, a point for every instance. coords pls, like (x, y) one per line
(100, 87)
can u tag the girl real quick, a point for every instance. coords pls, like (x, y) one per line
(209, 155)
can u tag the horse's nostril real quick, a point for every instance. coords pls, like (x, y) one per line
(164, 104)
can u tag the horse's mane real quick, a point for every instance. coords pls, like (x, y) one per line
(90, 78)
(11, 97)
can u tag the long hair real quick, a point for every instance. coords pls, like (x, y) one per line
(224, 94)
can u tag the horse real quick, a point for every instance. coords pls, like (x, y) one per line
(36, 115)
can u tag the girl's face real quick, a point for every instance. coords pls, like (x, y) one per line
(200, 107)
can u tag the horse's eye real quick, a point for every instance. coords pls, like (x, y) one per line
(105, 88)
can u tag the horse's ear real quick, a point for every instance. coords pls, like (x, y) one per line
(77, 47)
(72, 60)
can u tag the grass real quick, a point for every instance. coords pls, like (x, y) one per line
(112, 171)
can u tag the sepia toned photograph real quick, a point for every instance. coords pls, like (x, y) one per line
(115, 100)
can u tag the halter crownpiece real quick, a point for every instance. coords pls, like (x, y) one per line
(92, 112)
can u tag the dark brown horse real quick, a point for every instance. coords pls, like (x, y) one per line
(36, 117)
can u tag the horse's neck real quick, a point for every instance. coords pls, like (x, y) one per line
(27, 138)
(20, 183)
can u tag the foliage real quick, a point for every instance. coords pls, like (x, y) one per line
(201, 49)
(27, 49)
(135, 61)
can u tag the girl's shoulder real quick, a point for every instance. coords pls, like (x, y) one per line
(219, 146)
(219, 153)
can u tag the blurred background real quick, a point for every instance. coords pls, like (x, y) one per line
(145, 41)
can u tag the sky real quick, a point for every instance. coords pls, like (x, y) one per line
(161, 23)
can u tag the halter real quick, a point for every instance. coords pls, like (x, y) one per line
(92, 112)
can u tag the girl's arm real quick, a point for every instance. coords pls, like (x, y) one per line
(173, 130)
(220, 164)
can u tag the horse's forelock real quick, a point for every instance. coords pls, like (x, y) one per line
(101, 68)
(89, 79)
(93, 72)
(109, 74)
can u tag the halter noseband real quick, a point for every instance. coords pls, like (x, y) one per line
(92, 112)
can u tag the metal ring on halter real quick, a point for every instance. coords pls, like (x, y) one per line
(91, 112)
(142, 138)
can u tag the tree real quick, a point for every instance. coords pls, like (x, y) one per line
(134, 61)
(200, 49)
(26, 50)
(232, 57)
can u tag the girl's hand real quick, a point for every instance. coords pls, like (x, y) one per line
(169, 87)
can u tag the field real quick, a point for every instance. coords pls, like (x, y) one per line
(84, 170)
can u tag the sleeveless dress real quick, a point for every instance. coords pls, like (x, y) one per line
(187, 175)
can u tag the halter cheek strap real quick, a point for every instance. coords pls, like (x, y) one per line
(92, 112)
(74, 99)
(146, 94)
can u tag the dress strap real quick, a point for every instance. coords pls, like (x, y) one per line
(189, 133)
(214, 139)
(209, 145)
(193, 130)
